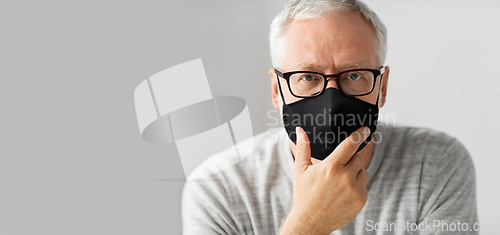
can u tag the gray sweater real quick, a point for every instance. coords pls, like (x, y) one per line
(420, 182)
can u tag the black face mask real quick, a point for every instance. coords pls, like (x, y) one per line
(328, 119)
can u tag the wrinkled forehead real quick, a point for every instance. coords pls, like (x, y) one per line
(337, 40)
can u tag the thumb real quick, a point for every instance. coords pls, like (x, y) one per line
(302, 151)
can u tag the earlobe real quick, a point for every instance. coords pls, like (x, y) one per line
(274, 88)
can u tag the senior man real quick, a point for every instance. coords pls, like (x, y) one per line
(333, 170)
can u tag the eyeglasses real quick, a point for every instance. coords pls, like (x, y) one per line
(307, 84)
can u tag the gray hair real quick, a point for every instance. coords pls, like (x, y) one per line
(314, 9)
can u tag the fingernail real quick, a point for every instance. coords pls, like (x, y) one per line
(366, 131)
(298, 133)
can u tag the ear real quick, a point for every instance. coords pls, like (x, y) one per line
(274, 89)
(383, 89)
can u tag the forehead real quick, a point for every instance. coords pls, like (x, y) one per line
(338, 41)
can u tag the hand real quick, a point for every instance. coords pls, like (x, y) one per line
(327, 195)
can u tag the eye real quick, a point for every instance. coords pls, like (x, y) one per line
(307, 77)
(354, 76)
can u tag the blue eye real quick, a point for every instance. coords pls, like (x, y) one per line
(354, 76)
(308, 77)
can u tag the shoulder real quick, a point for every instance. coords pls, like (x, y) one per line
(225, 197)
(419, 139)
(433, 149)
(415, 135)
(439, 166)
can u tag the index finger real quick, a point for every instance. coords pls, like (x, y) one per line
(302, 151)
(343, 153)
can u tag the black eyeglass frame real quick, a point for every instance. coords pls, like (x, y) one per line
(287, 75)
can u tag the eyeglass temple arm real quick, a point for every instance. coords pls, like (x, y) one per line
(279, 74)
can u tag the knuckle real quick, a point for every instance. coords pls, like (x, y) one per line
(301, 166)
(329, 171)
(365, 173)
(364, 193)
(350, 143)
(359, 200)
(361, 158)
(358, 159)
(363, 180)
(347, 179)
(300, 147)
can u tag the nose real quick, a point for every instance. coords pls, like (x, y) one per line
(330, 82)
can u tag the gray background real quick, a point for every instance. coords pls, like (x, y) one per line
(72, 160)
